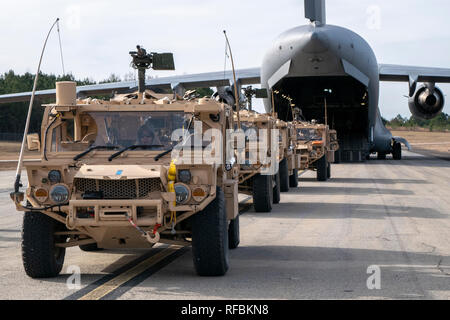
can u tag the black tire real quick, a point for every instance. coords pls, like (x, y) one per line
(262, 193)
(210, 247)
(293, 179)
(329, 170)
(276, 188)
(284, 176)
(234, 233)
(322, 169)
(40, 257)
(397, 151)
(91, 247)
(381, 156)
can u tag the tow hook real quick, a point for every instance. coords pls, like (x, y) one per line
(152, 238)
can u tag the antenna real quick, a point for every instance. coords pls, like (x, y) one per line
(236, 93)
(16, 195)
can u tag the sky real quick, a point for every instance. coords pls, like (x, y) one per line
(97, 35)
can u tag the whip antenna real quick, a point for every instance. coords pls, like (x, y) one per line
(60, 47)
(236, 94)
(17, 183)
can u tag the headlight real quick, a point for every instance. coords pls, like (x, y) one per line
(182, 193)
(184, 176)
(59, 194)
(54, 176)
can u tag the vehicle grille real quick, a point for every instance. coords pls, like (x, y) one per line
(119, 189)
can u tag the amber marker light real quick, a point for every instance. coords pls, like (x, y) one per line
(41, 195)
(198, 194)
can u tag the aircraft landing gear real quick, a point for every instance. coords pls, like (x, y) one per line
(381, 156)
(397, 151)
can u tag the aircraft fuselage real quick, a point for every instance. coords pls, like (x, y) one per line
(306, 60)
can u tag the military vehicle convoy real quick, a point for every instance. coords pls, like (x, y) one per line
(316, 146)
(253, 178)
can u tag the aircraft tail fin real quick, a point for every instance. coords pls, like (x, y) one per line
(315, 10)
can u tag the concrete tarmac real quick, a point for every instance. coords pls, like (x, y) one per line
(323, 241)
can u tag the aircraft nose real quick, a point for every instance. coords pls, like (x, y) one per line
(316, 42)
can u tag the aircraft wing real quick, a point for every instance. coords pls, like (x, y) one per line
(392, 72)
(191, 81)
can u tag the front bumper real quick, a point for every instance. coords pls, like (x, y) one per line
(112, 213)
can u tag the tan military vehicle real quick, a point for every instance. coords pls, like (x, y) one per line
(334, 143)
(288, 164)
(264, 188)
(316, 148)
(107, 180)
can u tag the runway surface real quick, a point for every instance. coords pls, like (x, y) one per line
(323, 241)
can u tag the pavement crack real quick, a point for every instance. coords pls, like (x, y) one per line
(429, 246)
(441, 269)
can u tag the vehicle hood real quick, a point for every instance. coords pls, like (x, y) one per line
(118, 172)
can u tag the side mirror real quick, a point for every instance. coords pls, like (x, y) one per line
(261, 94)
(33, 142)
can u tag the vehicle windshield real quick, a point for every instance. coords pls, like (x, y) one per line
(245, 125)
(121, 129)
(308, 134)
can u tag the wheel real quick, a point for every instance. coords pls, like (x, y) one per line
(210, 247)
(322, 169)
(233, 233)
(381, 156)
(262, 193)
(91, 247)
(276, 188)
(284, 176)
(397, 151)
(40, 257)
(293, 179)
(329, 170)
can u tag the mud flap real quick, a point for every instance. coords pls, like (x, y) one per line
(231, 198)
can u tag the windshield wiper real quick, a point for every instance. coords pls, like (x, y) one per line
(81, 155)
(162, 154)
(134, 147)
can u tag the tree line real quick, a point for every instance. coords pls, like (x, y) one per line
(13, 115)
(440, 123)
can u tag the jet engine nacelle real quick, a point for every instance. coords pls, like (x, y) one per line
(427, 103)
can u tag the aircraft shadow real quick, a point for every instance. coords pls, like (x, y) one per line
(321, 210)
(320, 190)
(296, 272)
(368, 181)
(413, 160)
